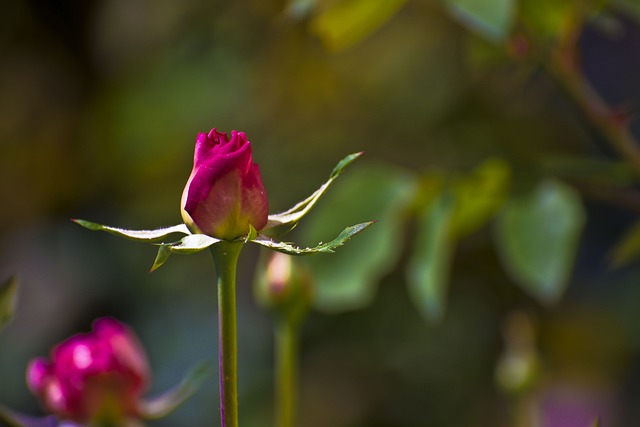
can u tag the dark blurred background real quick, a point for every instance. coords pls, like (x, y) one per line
(100, 104)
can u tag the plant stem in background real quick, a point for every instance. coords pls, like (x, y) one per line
(612, 123)
(226, 256)
(286, 382)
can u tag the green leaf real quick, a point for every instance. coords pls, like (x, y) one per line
(537, 238)
(8, 300)
(328, 247)
(490, 18)
(596, 422)
(550, 20)
(342, 23)
(284, 222)
(162, 405)
(479, 195)
(628, 248)
(139, 235)
(430, 263)
(349, 280)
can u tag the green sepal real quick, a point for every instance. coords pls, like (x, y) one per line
(163, 255)
(139, 235)
(8, 300)
(165, 403)
(253, 233)
(192, 244)
(186, 246)
(328, 247)
(284, 222)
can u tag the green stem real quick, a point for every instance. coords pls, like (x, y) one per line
(286, 348)
(226, 256)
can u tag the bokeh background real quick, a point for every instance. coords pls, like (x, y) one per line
(500, 287)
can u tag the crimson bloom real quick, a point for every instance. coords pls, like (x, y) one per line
(93, 377)
(224, 195)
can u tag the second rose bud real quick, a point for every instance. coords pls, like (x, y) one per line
(285, 287)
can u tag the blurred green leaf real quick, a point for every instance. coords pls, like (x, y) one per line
(549, 19)
(429, 265)
(8, 300)
(537, 237)
(284, 222)
(628, 248)
(347, 281)
(596, 423)
(479, 195)
(342, 23)
(162, 405)
(328, 247)
(491, 18)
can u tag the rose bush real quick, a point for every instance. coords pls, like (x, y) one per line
(224, 195)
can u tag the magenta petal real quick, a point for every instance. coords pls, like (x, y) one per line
(37, 373)
(224, 194)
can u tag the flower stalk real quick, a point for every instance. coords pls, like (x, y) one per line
(225, 255)
(287, 334)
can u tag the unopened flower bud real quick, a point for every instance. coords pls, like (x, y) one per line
(285, 287)
(224, 194)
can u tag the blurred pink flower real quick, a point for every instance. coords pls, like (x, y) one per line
(98, 375)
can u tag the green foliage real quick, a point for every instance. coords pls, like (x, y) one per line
(348, 281)
(455, 207)
(429, 267)
(479, 195)
(343, 23)
(537, 237)
(490, 18)
(549, 19)
(8, 300)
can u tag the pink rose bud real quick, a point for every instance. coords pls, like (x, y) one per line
(96, 376)
(224, 194)
(286, 287)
